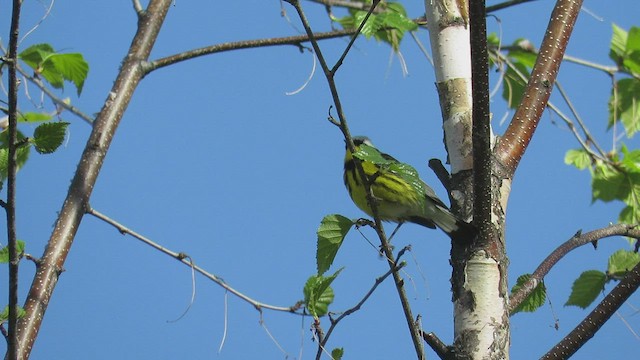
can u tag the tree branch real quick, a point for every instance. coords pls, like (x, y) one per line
(73, 209)
(513, 144)
(12, 168)
(576, 241)
(342, 124)
(594, 321)
(481, 135)
(185, 259)
(247, 44)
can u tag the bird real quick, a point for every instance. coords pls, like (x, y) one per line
(401, 196)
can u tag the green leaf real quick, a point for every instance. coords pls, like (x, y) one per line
(30, 117)
(629, 215)
(49, 136)
(331, 234)
(22, 153)
(610, 184)
(318, 294)
(55, 67)
(535, 300)
(4, 252)
(35, 55)
(513, 85)
(623, 105)
(578, 158)
(618, 44)
(493, 40)
(621, 262)
(71, 67)
(4, 315)
(523, 53)
(586, 288)
(337, 353)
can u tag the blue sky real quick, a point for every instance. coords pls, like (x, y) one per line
(213, 159)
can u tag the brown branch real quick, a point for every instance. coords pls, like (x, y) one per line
(188, 261)
(247, 44)
(324, 339)
(576, 241)
(12, 168)
(437, 345)
(86, 174)
(513, 144)
(594, 321)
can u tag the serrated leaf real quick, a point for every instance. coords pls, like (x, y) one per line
(610, 184)
(4, 315)
(4, 252)
(337, 353)
(618, 43)
(331, 234)
(578, 158)
(621, 262)
(624, 105)
(71, 67)
(55, 67)
(49, 136)
(535, 300)
(586, 288)
(318, 294)
(34, 55)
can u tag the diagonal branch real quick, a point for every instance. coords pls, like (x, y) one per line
(513, 144)
(187, 260)
(576, 241)
(594, 321)
(86, 174)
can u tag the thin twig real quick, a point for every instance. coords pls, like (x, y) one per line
(576, 241)
(357, 307)
(186, 260)
(12, 168)
(246, 44)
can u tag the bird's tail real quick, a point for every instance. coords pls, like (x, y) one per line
(453, 226)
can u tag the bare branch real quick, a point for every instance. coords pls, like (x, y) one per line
(513, 144)
(188, 261)
(247, 44)
(56, 100)
(594, 321)
(576, 241)
(506, 4)
(12, 168)
(73, 209)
